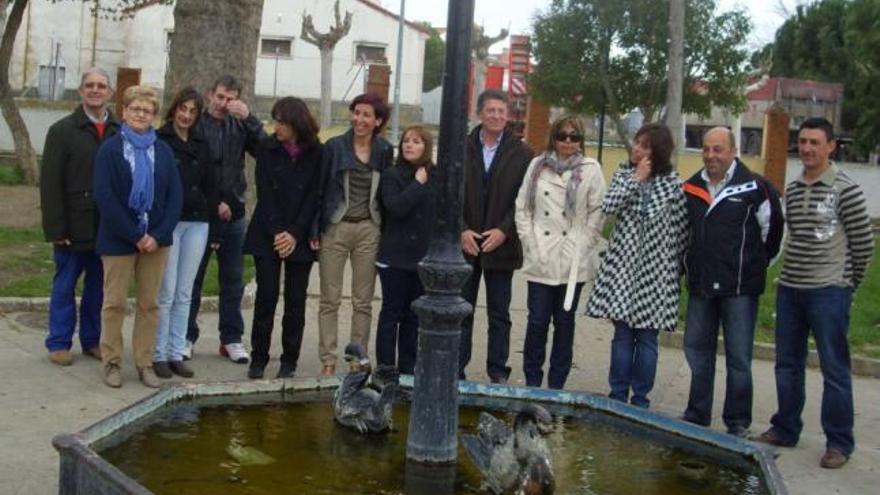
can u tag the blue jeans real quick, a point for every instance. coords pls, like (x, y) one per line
(398, 328)
(825, 312)
(230, 271)
(737, 315)
(633, 363)
(175, 295)
(69, 265)
(545, 302)
(498, 308)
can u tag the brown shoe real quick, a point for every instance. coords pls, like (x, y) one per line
(833, 459)
(328, 370)
(180, 368)
(61, 358)
(772, 438)
(148, 377)
(112, 375)
(94, 352)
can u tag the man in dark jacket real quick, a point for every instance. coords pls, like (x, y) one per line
(69, 218)
(230, 129)
(736, 227)
(494, 166)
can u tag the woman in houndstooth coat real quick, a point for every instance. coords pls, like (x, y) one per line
(638, 283)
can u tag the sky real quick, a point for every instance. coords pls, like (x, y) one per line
(516, 15)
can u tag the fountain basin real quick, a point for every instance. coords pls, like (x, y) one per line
(84, 471)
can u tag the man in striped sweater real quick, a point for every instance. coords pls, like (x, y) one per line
(830, 243)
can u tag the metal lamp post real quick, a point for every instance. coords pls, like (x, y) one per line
(433, 422)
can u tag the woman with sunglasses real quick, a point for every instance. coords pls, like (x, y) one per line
(288, 176)
(637, 286)
(559, 221)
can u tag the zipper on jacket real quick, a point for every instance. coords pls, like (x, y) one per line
(742, 248)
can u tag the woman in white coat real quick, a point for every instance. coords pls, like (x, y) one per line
(559, 221)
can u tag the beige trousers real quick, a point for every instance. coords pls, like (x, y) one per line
(341, 242)
(148, 271)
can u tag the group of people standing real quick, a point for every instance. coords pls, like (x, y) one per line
(121, 198)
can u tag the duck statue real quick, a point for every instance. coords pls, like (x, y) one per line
(355, 403)
(513, 462)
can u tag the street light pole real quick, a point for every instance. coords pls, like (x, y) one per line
(433, 421)
(395, 115)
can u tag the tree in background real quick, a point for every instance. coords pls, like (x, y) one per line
(835, 41)
(25, 156)
(593, 54)
(213, 38)
(325, 43)
(435, 56)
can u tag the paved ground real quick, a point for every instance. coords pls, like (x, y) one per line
(40, 400)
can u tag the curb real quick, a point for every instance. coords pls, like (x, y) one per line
(861, 366)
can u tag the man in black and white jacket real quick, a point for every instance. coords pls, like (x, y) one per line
(736, 226)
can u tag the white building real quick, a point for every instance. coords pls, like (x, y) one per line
(66, 32)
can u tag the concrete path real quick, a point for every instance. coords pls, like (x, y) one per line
(40, 400)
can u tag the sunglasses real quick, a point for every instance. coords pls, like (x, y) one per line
(573, 137)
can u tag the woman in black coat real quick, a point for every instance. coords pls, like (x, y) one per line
(407, 196)
(288, 181)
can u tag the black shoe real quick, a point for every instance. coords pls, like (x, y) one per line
(162, 369)
(739, 431)
(285, 371)
(180, 368)
(256, 372)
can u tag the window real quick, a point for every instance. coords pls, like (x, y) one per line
(274, 47)
(365, 53)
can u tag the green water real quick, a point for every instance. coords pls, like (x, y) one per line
(296, 448)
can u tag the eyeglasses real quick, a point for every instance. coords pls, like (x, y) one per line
(95, 85)
(140, 110)
(573, 137)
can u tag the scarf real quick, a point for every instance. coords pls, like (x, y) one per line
(292, 149)
(142, 187)
(574, 164)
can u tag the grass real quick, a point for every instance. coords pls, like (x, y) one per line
(10, 175)
(26, 266)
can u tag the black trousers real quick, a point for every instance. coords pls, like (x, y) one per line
(296, 280)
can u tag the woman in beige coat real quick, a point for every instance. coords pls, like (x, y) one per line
(559, 221)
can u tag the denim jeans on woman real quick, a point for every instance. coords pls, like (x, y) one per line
(175, 296)
(398, 328)
(546, 302)
(633, 363)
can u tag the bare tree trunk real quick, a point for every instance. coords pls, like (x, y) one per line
(326, 87)
(213, 38)
(24, 152)
(676, 71)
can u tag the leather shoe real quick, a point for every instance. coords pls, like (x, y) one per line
(162, 369)
(833, 459)
(148, 377)
(286, 371)
(112, 375)
(255, 371)
(772, 438)
(61, 358)
(94, 352)
(181, 369)
(328, 370)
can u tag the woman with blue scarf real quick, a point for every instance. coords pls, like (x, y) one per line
(138, 194)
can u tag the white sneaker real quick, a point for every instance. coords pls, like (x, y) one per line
(235, 352)
(187, 351)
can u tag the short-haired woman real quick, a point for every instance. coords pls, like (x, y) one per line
(637, 287)
(407, 195)
(288, 176)
(138, 195)
(200, 198)
(349, 223)
(559, 222)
